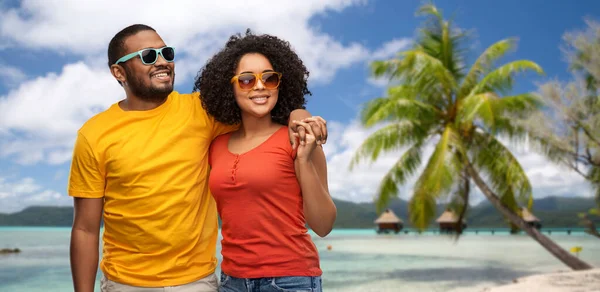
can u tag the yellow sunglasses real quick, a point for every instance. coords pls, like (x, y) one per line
(247, 81)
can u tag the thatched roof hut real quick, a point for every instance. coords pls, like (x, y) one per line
(388, 221)
(448, 222)
(530, 218)
(447, 217)
(388, 216)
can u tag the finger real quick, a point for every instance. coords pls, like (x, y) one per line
(315, 119)
(309, 134)
(323, 125)
(322, 132)
(309, 129)
(317, 132)
(301, 133)
(316, 126)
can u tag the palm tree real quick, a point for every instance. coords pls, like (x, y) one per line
(437, 100)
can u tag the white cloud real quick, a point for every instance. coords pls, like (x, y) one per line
(196, 28)
(44, 197)
(17, 194)
(25, 186)
(361, 184)
(40, 117)
(381, 82)
(11, 76)
(391, 48)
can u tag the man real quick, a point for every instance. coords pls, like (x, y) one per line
(142, 166)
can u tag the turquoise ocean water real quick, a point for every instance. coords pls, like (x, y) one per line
(359, 260)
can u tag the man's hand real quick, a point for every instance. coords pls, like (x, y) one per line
(298, 132)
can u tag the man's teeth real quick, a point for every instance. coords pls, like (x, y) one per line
(161, 75)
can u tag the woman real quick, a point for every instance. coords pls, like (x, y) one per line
(266, 192)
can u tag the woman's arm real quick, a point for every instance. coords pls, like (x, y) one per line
(311, 169)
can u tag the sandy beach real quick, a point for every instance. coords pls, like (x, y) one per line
(580, 281)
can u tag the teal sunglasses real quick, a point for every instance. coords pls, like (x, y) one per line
(149, 56)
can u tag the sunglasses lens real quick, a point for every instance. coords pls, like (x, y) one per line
(149, 56)
(168, 53)
(246, 81)
(270, 80)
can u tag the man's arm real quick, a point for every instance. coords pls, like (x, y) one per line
(85, 238)
(86, 185)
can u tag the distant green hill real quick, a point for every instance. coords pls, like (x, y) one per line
(553, 211)
(39, 216)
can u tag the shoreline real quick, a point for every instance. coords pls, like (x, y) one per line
(562, 281)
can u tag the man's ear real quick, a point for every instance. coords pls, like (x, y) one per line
(119, 73)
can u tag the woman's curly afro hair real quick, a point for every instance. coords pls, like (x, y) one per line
(216, 90)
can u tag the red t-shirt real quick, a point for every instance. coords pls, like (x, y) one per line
(260, 204)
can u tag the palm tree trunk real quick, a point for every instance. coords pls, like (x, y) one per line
(568, 259)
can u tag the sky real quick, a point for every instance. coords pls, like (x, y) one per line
(53, 73)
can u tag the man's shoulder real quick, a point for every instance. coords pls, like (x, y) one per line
(192, 101)
(94, 125)
(194, 94)
(186, 97)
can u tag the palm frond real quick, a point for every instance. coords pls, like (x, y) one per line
(429, 9)
(385, 68)
(479, 105)
(489, 107)
(437, 178)
(399, 105)
(403, 169)
(439, 39)
(518, 105)
(504, 171)
(509, 201)
(500, 80)
(388, 138)
(421, 209)
(418, 65)
(483, 64)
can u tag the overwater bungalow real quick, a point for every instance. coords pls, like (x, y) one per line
(531, 220)
(448, 222)
(389, 222)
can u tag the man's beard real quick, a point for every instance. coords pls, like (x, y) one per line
(148, 93)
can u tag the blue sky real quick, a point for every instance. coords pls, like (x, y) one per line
(54, 77)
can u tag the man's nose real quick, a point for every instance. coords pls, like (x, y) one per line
(160, 61)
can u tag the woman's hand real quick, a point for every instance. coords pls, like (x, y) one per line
(305, 149)
(298, 133)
